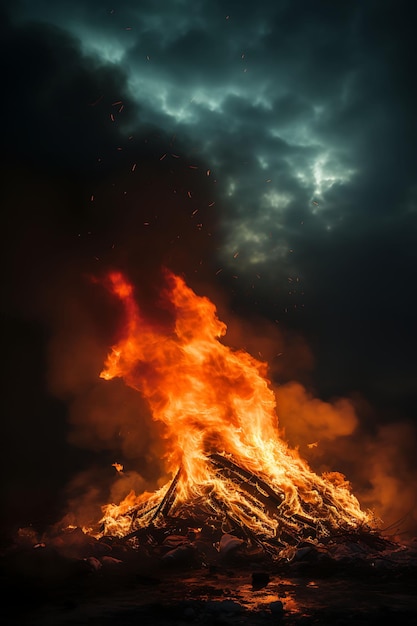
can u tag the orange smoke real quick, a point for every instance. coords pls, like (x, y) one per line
(309, 420)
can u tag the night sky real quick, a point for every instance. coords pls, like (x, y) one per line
(264, 150)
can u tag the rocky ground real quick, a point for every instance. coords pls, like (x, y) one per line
(72, 579)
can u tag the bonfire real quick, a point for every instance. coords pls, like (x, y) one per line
(230, 467)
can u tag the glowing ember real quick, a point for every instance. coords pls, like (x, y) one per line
(225, 454)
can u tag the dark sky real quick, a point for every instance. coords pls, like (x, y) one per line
(267, 151)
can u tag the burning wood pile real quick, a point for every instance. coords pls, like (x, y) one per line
(236, 472)
(256, 502)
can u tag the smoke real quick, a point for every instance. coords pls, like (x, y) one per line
(286, 352)
(389, 475)
(377, 460)
(110, 422)
(309, 420)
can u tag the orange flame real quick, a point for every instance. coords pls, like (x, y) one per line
(216, 403)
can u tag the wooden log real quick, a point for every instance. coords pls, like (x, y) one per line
(167, 500)
(259, 485)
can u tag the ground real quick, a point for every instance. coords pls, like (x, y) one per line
(44, 586)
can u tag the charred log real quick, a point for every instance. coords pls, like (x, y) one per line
(167, 500)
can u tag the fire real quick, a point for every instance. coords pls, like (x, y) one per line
(225, 454)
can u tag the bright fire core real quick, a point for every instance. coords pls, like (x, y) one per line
(225, 452)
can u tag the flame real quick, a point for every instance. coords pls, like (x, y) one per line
(219, 410)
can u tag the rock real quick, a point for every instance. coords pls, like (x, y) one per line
(277, 608)
(260, 579)
(93, 563)
(228, 544)
(307, 553)
(183, 555)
